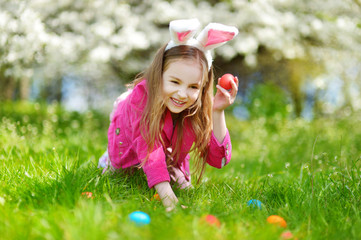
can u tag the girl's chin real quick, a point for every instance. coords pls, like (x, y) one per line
(174, 108)
(175, 111)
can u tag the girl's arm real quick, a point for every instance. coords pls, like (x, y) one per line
(219, 125)
(221, 101)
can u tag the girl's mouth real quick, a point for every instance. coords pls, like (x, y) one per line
(177, 102)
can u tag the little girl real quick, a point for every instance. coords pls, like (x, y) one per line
(169, 111)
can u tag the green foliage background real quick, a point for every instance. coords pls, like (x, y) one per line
(307, 172)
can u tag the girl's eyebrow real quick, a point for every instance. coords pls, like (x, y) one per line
(173, 77)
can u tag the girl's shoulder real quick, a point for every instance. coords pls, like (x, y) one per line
(130, 103)
(139, 93)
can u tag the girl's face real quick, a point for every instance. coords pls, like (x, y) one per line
(182, 83)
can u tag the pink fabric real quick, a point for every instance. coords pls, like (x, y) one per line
(182, 35)
(218, 36)
(126, 146)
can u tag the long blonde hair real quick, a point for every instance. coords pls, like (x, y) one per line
(199, 114)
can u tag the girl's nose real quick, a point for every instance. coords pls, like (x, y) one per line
(182, 93)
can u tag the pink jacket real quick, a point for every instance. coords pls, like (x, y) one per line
(126, 146)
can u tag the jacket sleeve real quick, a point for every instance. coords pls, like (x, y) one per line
(219, 154)
(155, 168)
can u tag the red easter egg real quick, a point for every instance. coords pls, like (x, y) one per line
(287, 235)
(211, 220)
(225, 81)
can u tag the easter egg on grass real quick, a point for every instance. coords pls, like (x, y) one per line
(277, 220)
(225, 81)
(287, 235)
(254, 203)
(211, 220)
(139, 218)
(87, 195)
(156, 197)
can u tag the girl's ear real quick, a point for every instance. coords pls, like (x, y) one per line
(182, 31)
(215, 35)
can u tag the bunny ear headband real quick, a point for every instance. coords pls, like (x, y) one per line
(182, 32)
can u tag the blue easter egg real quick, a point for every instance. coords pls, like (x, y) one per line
(254, 203)
(139, 218)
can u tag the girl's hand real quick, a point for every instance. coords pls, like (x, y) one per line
(167, 195)
(178, 177)
(224, 98)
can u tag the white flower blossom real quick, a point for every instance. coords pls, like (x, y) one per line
(62, 37)
(101, 54)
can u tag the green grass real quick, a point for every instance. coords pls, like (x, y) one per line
(307, 172)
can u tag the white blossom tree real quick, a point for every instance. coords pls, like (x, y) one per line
(100, 41)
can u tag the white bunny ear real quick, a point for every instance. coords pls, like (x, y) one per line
(182, 31)
(215, 35)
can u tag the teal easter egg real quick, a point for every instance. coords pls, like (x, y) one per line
(139, 218)
(254, 203)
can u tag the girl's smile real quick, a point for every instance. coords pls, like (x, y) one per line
(182, 81)
(178, 103)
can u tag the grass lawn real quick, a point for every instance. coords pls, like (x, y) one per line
(306, 172)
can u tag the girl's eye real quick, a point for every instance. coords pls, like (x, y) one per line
(194, 87)
(174, 81)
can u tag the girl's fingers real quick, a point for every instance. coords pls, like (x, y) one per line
(236, 80)
(224, 91)
(235, 85)
(234, 89)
